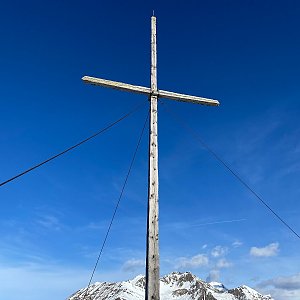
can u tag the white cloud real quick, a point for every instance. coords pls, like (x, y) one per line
(237, 244)
(223, 263)
(214, 275)
(282, 288)
(196, 261)
(204, 246)
(219, 251)
(284, 282)
(132, 265)
(267, 251)
(279, 294)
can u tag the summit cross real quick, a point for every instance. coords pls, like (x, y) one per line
(152, 256)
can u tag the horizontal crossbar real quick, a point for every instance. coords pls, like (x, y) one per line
(147, 91)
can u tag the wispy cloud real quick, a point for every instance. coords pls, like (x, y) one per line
(244, 146)
(237, 244)
(132, 265)
(184, 225)
(267, 251)
(218, 222)
(49, 222)
(219, 251)
(214, 275)
(196, 261)
(223, 263)
(94, 226)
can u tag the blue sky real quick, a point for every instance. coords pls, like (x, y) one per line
(53, 220)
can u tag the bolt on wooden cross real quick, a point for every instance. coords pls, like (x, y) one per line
(152, 257)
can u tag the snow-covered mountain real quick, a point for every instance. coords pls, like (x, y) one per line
(175, 286)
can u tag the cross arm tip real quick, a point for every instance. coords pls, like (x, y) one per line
(212, 102)
(85, 78)
(92, 80)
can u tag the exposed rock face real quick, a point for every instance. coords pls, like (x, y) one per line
(175, 286)
(244, 292)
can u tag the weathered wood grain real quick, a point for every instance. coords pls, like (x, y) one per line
(152, 257)
(117, 85)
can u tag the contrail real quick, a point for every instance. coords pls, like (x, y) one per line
(219, 222)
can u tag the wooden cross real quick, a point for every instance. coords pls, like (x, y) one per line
(152, 257)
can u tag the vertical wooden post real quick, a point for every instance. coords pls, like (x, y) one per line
(152, 260)
(152, 256)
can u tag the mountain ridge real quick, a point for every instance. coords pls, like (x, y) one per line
(174, 286)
